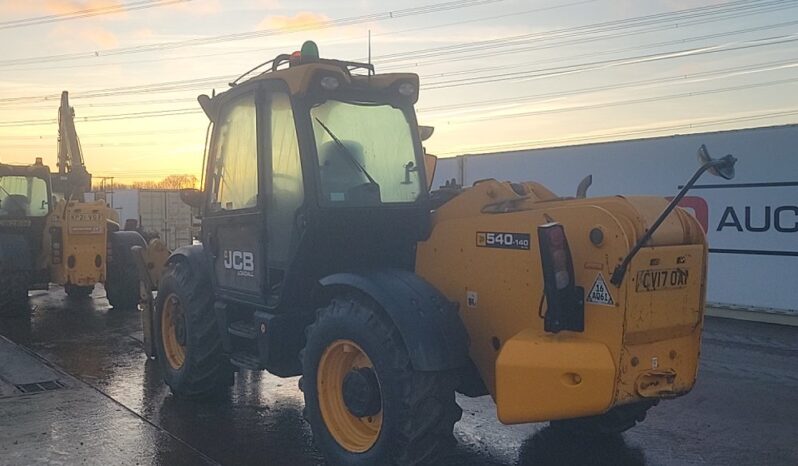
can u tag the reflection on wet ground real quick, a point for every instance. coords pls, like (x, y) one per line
(259, 421)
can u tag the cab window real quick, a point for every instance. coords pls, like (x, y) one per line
(235, 156)
(287, 187)
(23, 196)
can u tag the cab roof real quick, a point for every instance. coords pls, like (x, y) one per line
(302, 75)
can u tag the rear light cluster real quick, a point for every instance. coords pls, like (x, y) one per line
(56, 247)
(560, 256)
(565, 306)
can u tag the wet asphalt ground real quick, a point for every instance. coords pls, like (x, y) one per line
(114, 409)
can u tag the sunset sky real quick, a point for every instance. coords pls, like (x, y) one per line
(496, 74)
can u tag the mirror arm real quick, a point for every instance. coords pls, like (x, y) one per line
(620, 270)
(409, 168)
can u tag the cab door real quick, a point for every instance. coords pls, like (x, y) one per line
(233, 225)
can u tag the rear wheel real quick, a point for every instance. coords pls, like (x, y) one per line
(14, 295)
(364, 401)
(187, 340)
(77, 291)
(615, 421)
(122, 280)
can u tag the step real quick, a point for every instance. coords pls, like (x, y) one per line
(245, 361)
(243, 329)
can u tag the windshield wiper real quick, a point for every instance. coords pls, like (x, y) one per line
(348, 152)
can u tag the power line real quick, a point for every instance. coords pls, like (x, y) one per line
(539, 74)
(163, 86)
(201, 83)
(105, 134)
(713, 74)
(87, 13)
(260, 49)
(603, 64)
(508, 49)
(348, 21)
(744, 7)
(219, 80)
(162, 113)
(112, 117)
(618, 103)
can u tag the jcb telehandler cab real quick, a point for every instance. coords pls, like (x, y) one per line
(324, 255)
(25, 203)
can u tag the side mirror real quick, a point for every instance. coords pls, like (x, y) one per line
(430, 163)
(723, 167)
(193, 197)
(207, 106)
(425, 132)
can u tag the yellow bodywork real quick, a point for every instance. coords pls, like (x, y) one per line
(76, 242)
(644, 345)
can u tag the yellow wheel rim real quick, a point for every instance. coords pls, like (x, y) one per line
(355, 434)
(173, 332)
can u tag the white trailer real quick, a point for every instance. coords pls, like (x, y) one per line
(751, 221)
(156, 210)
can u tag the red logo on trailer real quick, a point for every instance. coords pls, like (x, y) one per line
(698, 207)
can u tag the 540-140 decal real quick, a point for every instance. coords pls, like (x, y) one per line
(503, 240)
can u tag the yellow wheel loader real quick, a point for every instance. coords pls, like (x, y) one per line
(324, 254)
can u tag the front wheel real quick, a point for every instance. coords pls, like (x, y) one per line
(14, 294)
(364, 401)
(187, 340)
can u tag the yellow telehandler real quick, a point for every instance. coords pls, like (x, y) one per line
(49, 233)
(324, 254)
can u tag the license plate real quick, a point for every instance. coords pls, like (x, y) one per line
(84, 217)
(662, 279)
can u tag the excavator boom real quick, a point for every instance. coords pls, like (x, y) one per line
(72, 179)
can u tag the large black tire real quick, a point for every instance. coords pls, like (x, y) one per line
(122, 280)
(615, 421)
(14, 295)
(77, 291)
(187, 296)
(418, 409)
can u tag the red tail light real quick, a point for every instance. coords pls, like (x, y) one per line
(565, 308)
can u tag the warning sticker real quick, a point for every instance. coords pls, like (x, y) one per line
(472, 298)
(599, 293)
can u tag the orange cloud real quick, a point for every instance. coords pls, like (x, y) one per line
(85, 36)
(203, 8)
(58, 7)
(69, 6)
(98, 36)
(301, 20)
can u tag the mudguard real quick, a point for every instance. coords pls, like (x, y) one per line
(195, 257)
(194, 254)
(15, 254)
(435, 337)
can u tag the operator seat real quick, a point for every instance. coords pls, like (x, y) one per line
(17, 205)
(341, 180)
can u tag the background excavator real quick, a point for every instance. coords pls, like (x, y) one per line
(49, 233)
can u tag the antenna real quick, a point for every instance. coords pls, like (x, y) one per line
(369, 46)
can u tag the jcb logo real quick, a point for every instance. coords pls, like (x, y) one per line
(242, 261)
